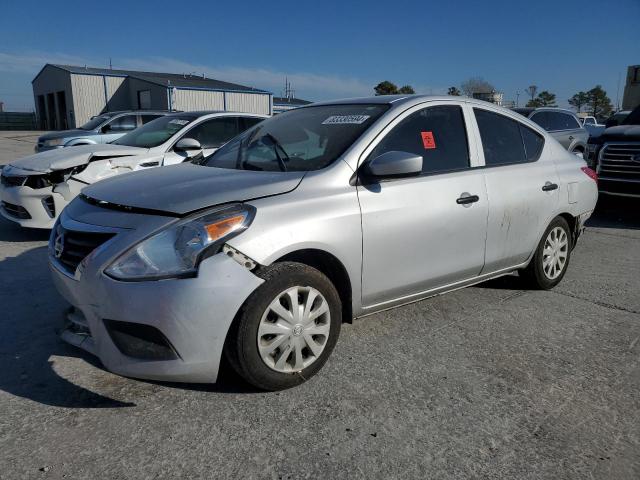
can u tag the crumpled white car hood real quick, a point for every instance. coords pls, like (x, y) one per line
(63, 158)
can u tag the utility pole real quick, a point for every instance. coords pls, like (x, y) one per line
(618, 94)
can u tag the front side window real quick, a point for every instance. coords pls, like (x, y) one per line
(215, 132)
(156, 132)
(544, 119)
(299, 140)
(121, 124)
(146, 118)
(95, 122)
(437, 134)
(505, 141)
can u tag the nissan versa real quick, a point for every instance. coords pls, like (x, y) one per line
(309, 219)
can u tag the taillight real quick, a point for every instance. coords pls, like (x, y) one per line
(590, 173)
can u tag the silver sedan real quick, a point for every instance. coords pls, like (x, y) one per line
(309, 219)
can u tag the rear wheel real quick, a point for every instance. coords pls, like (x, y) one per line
(551, 258)
(287, 328)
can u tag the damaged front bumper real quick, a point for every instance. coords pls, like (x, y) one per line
(32, 208)
(171, 330)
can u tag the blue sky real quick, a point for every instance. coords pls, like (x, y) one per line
(330, 49)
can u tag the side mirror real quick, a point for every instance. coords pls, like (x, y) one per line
(188, 145)
(395, 164)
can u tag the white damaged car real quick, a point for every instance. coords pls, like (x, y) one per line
(35, 189)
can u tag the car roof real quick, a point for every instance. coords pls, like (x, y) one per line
(203, 113)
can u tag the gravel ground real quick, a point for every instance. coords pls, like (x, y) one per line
(16, 144)
(487, 382)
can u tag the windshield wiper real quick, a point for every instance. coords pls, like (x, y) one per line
(276, 146)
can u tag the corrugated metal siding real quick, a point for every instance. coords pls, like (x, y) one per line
(197, 100)
(113, 83)
(88, 96)
(248, 102)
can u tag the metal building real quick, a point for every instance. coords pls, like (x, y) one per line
(631, 96)
(67, 96)
(282, 104)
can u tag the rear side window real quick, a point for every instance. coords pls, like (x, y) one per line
(506, 141)
(214, 133)
(438, 134)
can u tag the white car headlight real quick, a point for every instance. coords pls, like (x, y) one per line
(177, 250)
(54, 142)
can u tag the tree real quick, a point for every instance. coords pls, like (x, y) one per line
(598, 102)
(386, 88)
(476, 85)
(531, 91)
(579, 100)
(547, 99)
(544, 99)
(454, 92)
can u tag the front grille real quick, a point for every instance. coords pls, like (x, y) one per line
(10, 181)
(49, 206)
(70, 247)
(616, 162)
(16, 211)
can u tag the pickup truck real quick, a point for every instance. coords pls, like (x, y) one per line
(615, 155)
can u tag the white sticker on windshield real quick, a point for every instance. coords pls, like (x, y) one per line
(177, 121)
(345, 120)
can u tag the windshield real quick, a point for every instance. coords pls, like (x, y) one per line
(633, 118)
(95, 122)
(299, 140)
(156, 132)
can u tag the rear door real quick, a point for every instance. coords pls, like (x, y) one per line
(422, 232)
(522, 187)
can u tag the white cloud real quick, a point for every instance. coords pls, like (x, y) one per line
(307, 85)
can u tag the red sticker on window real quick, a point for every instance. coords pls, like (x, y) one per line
(427, 140)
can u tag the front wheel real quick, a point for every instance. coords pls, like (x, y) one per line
(287, 328)
(551, 258)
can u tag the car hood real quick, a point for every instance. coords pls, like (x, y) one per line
(622, 132)
(63, 158)
(66, 134)
(184, 188)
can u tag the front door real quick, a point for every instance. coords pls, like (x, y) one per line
(427, 231)
(211, 134)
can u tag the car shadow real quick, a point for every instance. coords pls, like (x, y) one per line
(32, 312)
(616, 212)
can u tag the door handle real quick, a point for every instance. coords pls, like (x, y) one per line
(547, 187)
(467, 198)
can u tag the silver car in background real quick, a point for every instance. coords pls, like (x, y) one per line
(309, 219)
(102, 128)
(563, 125)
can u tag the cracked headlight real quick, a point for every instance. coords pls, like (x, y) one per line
(177, 250)
(53, 142)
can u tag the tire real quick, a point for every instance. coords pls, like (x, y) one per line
(543, 275)
(304, 344)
